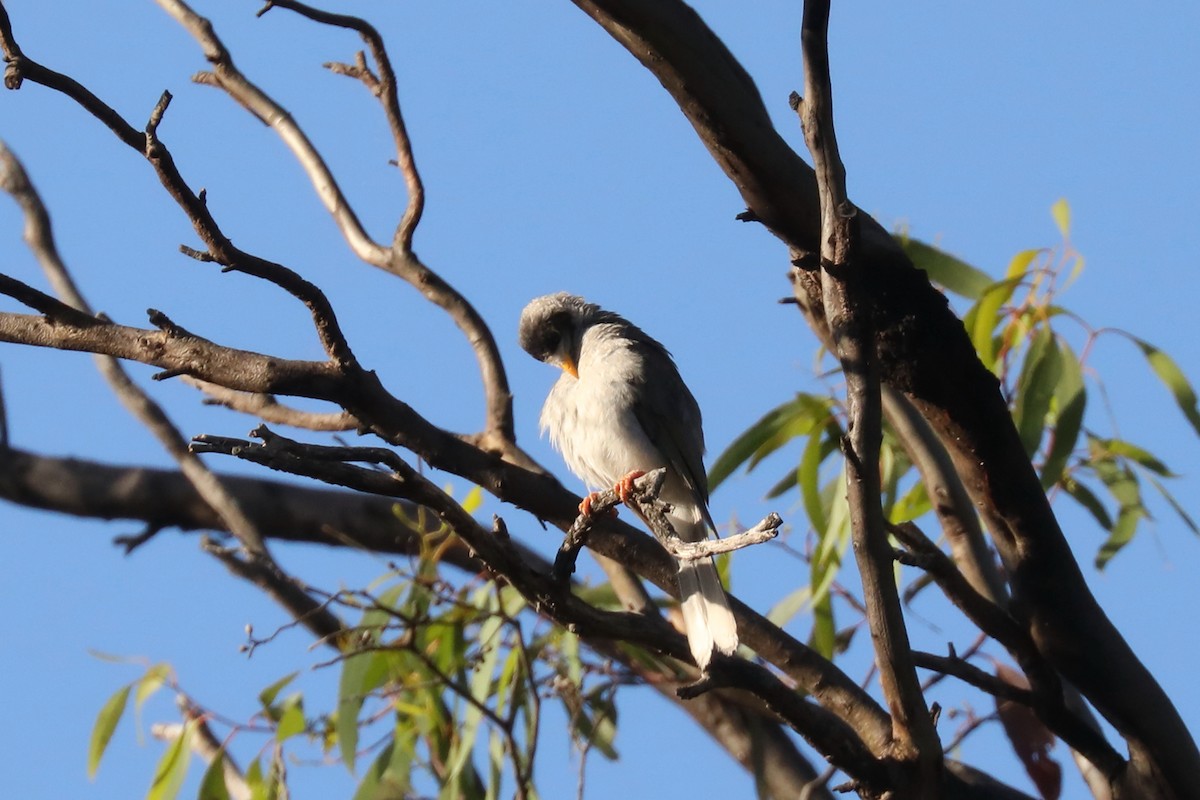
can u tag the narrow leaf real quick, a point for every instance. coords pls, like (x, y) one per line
(985, 316)
(1175, 505)
(291, 721)
(267, 696)
(150, 683)
(823, 637)
(1122, 533)
(1036, 385)
(172, 767)
(1172, 376)
(212, 785)
(912, 504)
(1138, 455)
(1070, 401)
(1061, 212)
(361, 674)
(1122, 484)
(792, 604)
(945, 270)
(602, 722)
(1081, 494)
(106, 723)
(777, 427)
(388, 776)
(809, 477)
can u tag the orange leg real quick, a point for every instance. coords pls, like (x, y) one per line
(624, 487)
(585, 506)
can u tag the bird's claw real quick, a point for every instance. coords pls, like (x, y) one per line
(585, 505)
(624, 487)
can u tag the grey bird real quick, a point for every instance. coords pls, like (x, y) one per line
(620, 407)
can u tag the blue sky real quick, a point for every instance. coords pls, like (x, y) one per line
(553, 161)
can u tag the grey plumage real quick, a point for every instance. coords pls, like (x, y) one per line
(620, 406)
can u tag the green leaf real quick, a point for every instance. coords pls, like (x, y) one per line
(106, 723)
(827, 561)
(267, 696)
(481, 691)
(1036, 386)
(390, 773)
(362, 673)
(914, 503)
(945, 270)
(1019, 266)
(1081, 494)
(255, 782)
(1122, 484)
(792, 604)
(291, 721)
(823, 637)
(789, 481)
(1070, 401)
(1172, 376)
(212, 785)
(984, 316)
(150, 683)
(1175, 506)
(1121, 534)
(819, 446)
(779, 426)
(172, 767)
(473, 500)
(1138, 455)
(1061, 212)
(600, 726)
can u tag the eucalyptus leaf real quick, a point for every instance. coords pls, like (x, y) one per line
(106, 722)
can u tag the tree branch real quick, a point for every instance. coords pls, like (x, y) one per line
(399, 259)
(1050, 705)
(842, 275)
(926, 355)
(40, 239)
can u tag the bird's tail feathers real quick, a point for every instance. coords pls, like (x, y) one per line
(706, 614)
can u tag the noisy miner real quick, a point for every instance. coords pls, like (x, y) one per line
(618, 410)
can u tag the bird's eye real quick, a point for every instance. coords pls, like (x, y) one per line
(551, 341)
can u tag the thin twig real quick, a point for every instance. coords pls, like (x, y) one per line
(267, 408)
(401, 260)
(40, 239)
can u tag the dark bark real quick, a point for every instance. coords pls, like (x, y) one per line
(925, 353)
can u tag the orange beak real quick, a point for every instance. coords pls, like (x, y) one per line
(568, 366)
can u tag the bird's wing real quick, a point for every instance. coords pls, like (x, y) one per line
(670, 416)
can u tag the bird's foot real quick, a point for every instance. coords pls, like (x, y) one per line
(585, 505)
(624, 487)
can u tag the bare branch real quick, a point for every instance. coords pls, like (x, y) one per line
(950, 500)
(929, 359)
(498, 433)
(269, 409)
(39, 237)
(225, 75)
(383, 86)
(841, 276)
(766, 530)
(1050, 705)
(219, 248)
(973, 675)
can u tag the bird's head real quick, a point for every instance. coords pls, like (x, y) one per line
(552, 327)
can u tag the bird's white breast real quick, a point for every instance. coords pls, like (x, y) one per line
(590, 419)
